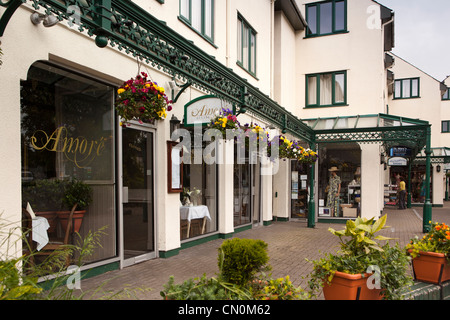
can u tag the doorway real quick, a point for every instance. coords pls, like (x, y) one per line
(138, 218)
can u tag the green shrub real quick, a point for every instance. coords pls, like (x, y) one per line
(241, 259)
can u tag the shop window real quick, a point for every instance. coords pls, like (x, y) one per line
(299, 189)
(446, 95)
(198, 207)
(326, 89)
(246, 46)
(199, 15)
(67, 133)
(339, 180)
(407, 88)
(325, 18)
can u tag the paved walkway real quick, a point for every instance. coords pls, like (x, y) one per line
(289, 244)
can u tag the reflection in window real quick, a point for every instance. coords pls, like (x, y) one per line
(67, 133)
(326, 17)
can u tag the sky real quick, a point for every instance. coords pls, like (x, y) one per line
(422, 34)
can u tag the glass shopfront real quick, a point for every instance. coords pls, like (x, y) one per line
(339, 180)
(67, 134)
(299, 190)
(198, 201)
(417, 183)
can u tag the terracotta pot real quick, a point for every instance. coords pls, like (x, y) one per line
(431, 267)
(77, 219)
(51, 217)
(350, 287)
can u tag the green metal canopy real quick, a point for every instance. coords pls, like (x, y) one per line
(389, 130)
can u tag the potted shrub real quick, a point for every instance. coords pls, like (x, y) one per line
(362, 269)
(76, 193)
(431, 261)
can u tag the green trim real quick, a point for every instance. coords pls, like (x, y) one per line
(267, 223)
(203, 13)
(446, 95)
(85, 274)
(209, 96)
(169, 253)
(243, 24)
(243, 228)
(281, 219)
(410, 88)
(226, 235)
(318, 6)
(160, 1)
(333, 88)
(334, 220)
(448, 126)
(199, 241)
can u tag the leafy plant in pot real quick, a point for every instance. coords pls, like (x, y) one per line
(79, 194)
(431, 254)
(363, 269)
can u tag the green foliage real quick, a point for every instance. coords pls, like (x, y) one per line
(242, 263)
(203, 289)
(241, 259)
(13, 286)
(359, 251)
(78, 192)
(437, 240)
(277, 289)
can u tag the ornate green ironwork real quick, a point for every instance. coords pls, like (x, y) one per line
(127, 27)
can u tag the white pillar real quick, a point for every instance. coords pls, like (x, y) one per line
(225, 151)
(370, 181)
(280, 190)
(266, 190)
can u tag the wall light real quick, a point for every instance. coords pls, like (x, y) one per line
(47, 19)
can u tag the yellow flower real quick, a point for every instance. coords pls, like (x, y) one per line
(162, 113)
(121, 90)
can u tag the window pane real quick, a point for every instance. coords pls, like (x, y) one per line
(406, 88)
(339, 88)
(415, 88)
(446, 95)
(398, 89)
(445, 126)
(312, 19)
(245, 45)
(184, 8)
(312, 90)
(197, 15)
(239, 40)
(253, 52)
(326, 89)
(339, 16)
(208, 18)
(326, 18)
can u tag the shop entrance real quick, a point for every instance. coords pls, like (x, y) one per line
(138, 195)
(247, 194)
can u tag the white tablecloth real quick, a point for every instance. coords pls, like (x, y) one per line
(194, 212)
(40, 226)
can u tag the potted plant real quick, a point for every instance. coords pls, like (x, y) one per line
(45, 197)
(142, 100)
(76, 193)
(362, 269)
(431, 254)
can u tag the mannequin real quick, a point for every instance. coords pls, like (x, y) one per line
(334, 190)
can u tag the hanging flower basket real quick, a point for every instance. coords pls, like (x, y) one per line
(294, 151)
(142, 100)
(224, 121)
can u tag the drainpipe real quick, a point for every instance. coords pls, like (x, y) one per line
(427, 208)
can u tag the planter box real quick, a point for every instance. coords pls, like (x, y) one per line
(431, 267)
(350, 287)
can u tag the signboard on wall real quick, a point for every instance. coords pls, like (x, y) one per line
(397, 162)
(400, 152)
(202, 110)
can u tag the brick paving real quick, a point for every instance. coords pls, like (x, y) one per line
(289, 244)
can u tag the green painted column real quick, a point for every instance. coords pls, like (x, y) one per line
(312, 201)
(446, 185)
(427, 207)
(409, 184)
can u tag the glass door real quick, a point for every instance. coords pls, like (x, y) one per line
(138, 195)
(256, 193)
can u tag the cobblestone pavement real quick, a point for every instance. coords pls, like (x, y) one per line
(289, 244)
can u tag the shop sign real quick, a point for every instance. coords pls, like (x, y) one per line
(202, 110)
(398, 162)
(400, 152)
(78, 150)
